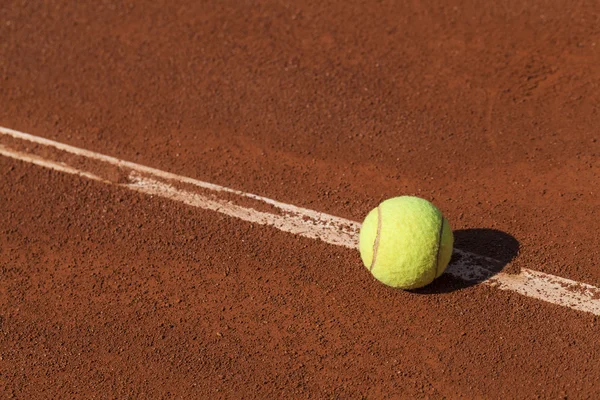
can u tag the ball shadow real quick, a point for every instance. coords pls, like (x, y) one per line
(478, 255)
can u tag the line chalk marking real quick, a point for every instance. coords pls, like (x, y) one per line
(285, 217)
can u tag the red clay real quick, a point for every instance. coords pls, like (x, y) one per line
(488, 109)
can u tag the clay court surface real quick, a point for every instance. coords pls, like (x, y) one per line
(488, 109)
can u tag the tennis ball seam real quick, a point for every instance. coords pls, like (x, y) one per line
(439, 246)
(377, 236)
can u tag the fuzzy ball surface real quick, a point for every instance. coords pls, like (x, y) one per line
(406, 242)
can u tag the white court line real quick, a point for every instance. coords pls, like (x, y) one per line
(300, 221)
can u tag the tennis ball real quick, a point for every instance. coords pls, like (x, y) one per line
(406, 242)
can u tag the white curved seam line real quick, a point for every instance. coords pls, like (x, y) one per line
(377, 238)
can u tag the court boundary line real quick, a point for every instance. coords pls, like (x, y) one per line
(286, 217)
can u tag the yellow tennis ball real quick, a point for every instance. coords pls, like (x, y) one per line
(406, 242)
